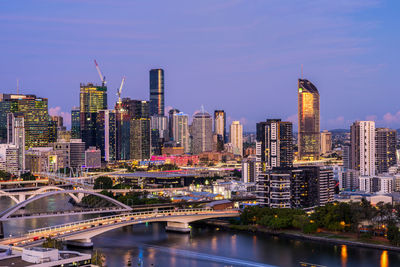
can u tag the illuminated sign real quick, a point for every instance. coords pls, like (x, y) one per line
(300, 90)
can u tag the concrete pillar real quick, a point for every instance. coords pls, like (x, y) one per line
(84, 243)
(181, 227)
(21, 197)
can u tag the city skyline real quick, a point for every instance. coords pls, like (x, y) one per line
(349, 49)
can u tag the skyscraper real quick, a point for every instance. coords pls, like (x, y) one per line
(362, 138)
(106, 134)
(201, 131)
(236, 137)
(157, 92)
(276, 140)
(122, 131)
(16, 136)
(385, 149)
(92, 99)
(308, 112)
(220, 124)
(171, 122)
(140, 134)
(181, 130)
(75, 123)
(326, 142)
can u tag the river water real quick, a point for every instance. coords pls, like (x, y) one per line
(151, 245)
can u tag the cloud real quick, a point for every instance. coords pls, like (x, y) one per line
(56, 111)
(292, 118)
(390, 118)
(371, 118)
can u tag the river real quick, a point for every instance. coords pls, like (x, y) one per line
(206, 246)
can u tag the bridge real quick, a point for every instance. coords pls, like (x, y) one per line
(80, 233)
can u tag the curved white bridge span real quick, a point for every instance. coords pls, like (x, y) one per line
(81, 232)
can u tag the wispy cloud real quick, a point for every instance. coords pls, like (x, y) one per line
(56, 111)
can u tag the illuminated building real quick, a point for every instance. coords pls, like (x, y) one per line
(16, 136)
(9, 158)
(326, 142)
(171, 123)
(106, 134)
(386, 140)
(5, 108)
(140, 134)
(236, 137)
(77, 153)
(362, 138)
(220, 124)
(159, 133)
(92, 99)
(157, 92)
(201, 131)
(308, 112)
(275, 138)
(92, 158)
(123, 131)
(180, 130)
(75, 123)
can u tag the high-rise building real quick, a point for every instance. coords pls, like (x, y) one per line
(16, 136)
(159, 133)
(9, 158)
(362, 137)
(140, 134)
(251, 167)
(385, 149)
(5, 108)
(122, 131)
(201, 131)
(157, 92)
(180, 130)
(36, 118)
(347, 157)
(75, 123)
(92, 158)
(308, 112)
(171, 123)
(220, 124)
(92, 99)
(276, 141)
(77, 153)
(106, 134)
(236, 137)
(326, 142)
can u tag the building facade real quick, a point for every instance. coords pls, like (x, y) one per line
(386, 141)
(220, 124)
(308, 121)
(362, 138)
(236, 137)
(201, 131)
(157, 92)
(180, 130)
(326, 142)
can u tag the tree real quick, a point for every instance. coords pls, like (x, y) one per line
(103, 182)
(393, 235)
(98, 258)
(52, 243)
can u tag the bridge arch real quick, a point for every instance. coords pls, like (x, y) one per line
(50, 188)
(7, 194)
(8, 212)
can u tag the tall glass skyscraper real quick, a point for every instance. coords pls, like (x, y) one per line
(75, 123)
(92, 99)
(157, 92)
(309, 133)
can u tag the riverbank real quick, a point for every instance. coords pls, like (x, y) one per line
(330, 238)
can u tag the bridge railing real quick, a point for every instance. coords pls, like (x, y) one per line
(121, 216)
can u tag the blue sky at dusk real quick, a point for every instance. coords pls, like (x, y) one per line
(242, 56)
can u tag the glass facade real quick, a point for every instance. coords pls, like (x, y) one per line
(5, 107)
(220, 124)
(92, 99)
(308, 112)
(75, 123)
(157, 92)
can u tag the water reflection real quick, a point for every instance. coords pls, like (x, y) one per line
(384, 259)
(343, 255)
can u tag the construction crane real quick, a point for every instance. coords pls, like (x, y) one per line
(102, 78)
(119, 91)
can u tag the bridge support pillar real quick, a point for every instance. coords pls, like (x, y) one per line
(21, 197)
(1, 230)
(178, 227)
(84, 243)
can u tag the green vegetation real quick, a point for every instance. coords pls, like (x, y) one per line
(163, 167)
(103, 182)
(28, 177)
(4, 176)
(52, 243)
(98, 258)
(140, 198)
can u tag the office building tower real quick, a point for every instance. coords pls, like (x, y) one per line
(16, 136)
(308, 112)
(236, 137)
(122, 131)
(75, 123)
(92, 99)
(362, 138)
(159, 133)
(201, 131)
(63, 147)
(140, 132)
(36, 117)
(276, 141)
(171, 123)
(347, 157)
(385, 141)
(106, 134)
(77, 153)
(349, 180)
(157, 92)
(180, 130)
(251, 168)
(5, 108)
(326, 142)
(220, 124)
(9, 158)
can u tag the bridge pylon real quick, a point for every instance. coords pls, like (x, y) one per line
(181, 227)
(1, 230)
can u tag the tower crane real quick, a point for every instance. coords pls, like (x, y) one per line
(119, 91)
(102, 78)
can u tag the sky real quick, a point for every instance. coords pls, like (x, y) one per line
(243, 56)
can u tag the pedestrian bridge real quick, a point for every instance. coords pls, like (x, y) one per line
(76, 195)
(80, 233)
